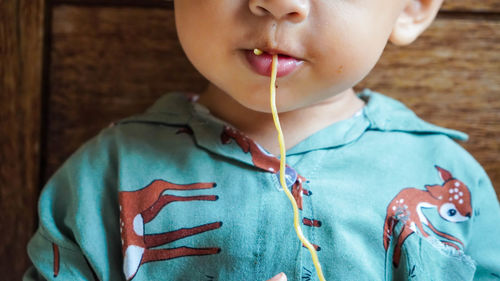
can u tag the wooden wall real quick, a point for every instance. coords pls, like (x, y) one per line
(21, 52)
(70, 67)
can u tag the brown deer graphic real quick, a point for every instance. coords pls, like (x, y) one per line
(140, 207)
(451, 200)
(268, 162)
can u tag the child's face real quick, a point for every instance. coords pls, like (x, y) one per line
(339, 42)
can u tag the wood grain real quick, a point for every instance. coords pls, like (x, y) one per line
(489, 6)
(451, 77)
(108, 63)
(21, 38)
(117, 3)
(448, 5)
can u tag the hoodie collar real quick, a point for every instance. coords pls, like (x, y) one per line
(380, 113)
(387, 114)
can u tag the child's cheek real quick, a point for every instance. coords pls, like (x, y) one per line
(353, 61)
(353, 44)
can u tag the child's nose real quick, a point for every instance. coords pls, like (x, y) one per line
(292, 10)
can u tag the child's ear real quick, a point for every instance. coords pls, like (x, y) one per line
(416, 16)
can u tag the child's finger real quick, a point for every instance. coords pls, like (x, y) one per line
(280, 277)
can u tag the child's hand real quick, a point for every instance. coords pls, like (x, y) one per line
(280, 277)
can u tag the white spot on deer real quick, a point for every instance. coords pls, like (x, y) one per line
(457, 184)
(461, 193)
(440, 197)
(451, 190)
(451, 199)
(139, 225)
(271, 170)
(132, 260)
(456, 189)
(394, 208)
(413, 227)
(401, 201)
(456, 197)
(461, 201)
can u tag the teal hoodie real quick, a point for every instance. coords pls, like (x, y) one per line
(176, 194)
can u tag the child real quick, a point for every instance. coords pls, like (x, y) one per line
(189, 190)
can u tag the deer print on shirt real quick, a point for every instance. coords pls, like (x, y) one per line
(260, 157)
(142, 206)
(55, 251)
(452, 201)
(268, 162)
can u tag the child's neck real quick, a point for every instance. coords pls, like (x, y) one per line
(297, 125)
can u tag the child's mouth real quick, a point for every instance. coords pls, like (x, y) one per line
(261, 64)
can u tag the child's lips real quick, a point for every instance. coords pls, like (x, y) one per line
(262, 64)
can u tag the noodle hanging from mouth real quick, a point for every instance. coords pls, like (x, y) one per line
(296, 224)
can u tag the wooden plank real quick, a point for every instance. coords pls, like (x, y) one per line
(472, 6)
(21, 39)
(450, 5)
(116, 3)
(113, 62)
(451, 77)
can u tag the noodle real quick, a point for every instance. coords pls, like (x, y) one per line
(281, 141)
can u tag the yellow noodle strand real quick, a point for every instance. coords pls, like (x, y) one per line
(296, 223)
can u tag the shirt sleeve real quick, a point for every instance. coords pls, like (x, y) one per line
(484, 243)
(54, 262)
(78, 234)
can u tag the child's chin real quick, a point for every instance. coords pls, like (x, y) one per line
(260, 101)
(258, 107)
(264, 106)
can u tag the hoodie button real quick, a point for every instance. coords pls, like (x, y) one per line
(290, 176)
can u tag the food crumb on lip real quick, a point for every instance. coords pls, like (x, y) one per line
(259, 52)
